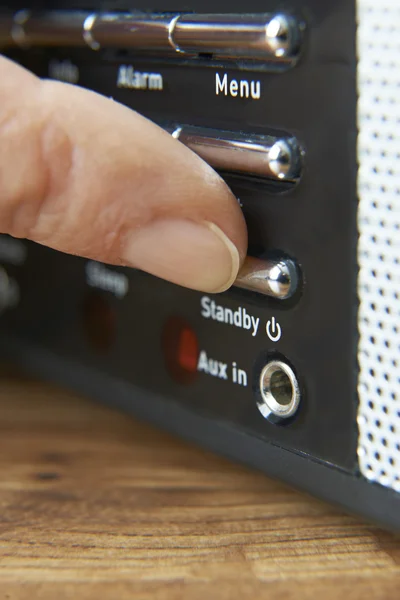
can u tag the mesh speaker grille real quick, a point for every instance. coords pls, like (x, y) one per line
(378, 43)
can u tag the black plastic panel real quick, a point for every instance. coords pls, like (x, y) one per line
(313, 222)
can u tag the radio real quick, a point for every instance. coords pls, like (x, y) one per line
(295, 369)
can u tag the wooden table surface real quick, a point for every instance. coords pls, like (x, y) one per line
(94, 505)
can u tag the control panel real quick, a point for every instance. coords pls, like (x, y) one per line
(266, 96)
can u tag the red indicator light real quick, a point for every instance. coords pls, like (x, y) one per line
(181, 350)
(188, 350)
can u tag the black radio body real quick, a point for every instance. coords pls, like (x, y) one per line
(197, 364)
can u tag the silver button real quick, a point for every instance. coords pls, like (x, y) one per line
(147, 32)
(275, 278)
(265, 37)
(256, 155)
(237, 36)
(49, 29)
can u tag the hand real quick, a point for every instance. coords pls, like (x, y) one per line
(85, 175)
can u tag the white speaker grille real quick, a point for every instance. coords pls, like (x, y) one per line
(378, 44)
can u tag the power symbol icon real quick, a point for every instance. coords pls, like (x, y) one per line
(274, 331)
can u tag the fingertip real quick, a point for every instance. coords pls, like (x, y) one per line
(194, 255)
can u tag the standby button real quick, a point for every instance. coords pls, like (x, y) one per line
(277, 278)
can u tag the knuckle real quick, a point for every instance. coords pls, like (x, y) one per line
(20, 179)
(35, 169)
(55, 161)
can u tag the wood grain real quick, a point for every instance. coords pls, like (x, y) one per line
(94, 505)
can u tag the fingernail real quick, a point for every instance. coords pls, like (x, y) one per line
(195, 255)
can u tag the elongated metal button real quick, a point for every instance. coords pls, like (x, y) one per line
(266, 37)
(239, 36)
(256, 155)
(276, 278)
(52, 28)
(148, 32)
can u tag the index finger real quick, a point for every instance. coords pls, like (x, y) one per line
(88, 176)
